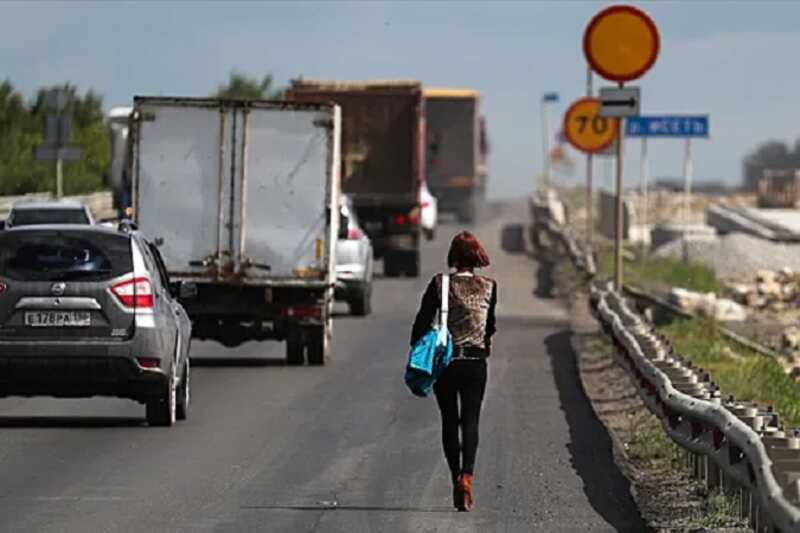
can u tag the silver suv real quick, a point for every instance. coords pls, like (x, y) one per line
(88, 311)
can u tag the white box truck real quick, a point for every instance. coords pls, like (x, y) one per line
(242, 199)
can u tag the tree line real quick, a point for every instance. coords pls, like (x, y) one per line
(22, 128)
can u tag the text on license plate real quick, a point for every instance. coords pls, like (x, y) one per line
(58, 319)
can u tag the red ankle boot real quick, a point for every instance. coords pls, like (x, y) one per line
(465, 488)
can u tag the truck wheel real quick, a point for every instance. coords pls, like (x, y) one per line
(361, 304)
(161, 411)
(317, 346)
(294, 347)
(412, 264)
(466, 214)
(390, 269)
(184, 393)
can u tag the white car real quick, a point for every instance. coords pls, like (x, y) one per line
(353, 263)
(429, 212)
(53, 212)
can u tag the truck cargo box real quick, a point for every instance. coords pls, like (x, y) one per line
(239, 193)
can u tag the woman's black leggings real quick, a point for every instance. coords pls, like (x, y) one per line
(465, 380)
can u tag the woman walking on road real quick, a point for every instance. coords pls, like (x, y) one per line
(471, 322)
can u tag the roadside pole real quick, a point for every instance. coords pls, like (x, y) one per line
(589, 164)
(645, 178)
(618, 214)
(545, 148)
(688, 170)
(59, 173)
(687, 196)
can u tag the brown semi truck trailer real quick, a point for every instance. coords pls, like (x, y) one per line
(382, 160)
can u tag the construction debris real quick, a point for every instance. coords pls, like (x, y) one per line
(707, 305)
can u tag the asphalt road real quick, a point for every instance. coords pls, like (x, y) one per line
(342, 448)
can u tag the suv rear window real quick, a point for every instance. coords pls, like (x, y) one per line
(64, 255)
(31, 217)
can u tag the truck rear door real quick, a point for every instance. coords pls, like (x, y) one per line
(290, 189)
(238, 190)
(181, 171)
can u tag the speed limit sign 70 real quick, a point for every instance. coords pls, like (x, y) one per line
(585, 129)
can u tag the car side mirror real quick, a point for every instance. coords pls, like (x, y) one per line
(344, 222)
(187, 290)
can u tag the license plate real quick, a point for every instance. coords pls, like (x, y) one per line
(58, 319)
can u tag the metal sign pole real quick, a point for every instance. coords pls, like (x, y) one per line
(687, 193)
(687, 180)
(618, 212)
(589, 195)
(59, 174)
(545, 148)
(645, 178)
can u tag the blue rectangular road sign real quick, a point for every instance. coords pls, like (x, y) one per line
(667, 126)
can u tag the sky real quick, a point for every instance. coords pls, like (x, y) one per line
(735, 61)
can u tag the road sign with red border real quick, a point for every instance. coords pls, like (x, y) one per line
(621, 43)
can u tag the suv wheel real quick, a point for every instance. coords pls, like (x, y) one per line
(361, 304)
(184, 393)
(161, 411)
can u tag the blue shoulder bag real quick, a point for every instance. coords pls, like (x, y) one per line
(432, 353)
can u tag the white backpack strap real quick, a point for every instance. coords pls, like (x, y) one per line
(445, 299)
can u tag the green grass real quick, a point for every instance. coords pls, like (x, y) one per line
(660, 272)
(650, 445)
(737, 370)
(719, 511)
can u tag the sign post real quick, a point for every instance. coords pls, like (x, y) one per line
(685, 127)
(644, 178)
(58, 130)
(589, 196)
(547, 98)
(621, 43)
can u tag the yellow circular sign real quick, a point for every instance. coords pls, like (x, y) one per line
(585, 129)
(621, 43)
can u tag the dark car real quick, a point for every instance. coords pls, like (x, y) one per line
(88, 311)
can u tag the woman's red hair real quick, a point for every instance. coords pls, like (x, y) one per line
(467, 252)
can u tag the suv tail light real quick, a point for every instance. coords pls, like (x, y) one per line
(353, 234)
(136, 293)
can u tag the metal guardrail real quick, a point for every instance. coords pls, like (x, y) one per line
(737, 446)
